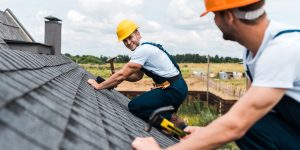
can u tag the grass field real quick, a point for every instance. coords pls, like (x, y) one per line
(186, 70)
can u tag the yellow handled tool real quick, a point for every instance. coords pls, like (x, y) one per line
(157, 120)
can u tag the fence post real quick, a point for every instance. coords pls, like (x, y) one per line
(220, 107)
(207, 75)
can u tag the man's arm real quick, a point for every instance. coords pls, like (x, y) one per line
(256, 103)
(136, 76)
(117, 77)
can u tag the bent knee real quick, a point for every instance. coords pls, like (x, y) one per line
(132, 106)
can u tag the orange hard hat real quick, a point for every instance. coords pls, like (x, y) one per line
(219, 5)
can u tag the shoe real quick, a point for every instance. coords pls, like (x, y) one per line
(178, 122)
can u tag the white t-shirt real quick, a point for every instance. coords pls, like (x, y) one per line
(154, 60)
(277, 62)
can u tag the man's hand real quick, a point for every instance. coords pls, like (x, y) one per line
(93, 83)
(147, 143)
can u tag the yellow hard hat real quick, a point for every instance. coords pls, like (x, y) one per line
(219, 5)
(125, 28)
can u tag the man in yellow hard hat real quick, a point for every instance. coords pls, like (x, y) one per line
(154, 61)
(268, 115)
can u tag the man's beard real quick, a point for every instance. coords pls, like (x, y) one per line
(229, 37)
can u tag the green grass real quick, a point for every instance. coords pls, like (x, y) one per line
(199, 114)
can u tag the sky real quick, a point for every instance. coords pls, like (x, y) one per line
(88, 26)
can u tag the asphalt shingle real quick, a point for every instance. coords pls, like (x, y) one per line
(16, 116)
(43, 112)
(11, 138)
(46, 103)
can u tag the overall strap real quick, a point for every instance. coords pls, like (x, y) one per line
(156, 78)
(159, 46)
(278, 34)
(247, 68)
(284, 32)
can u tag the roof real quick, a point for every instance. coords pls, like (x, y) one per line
(46, 103)
(11, 28)
(14, 36)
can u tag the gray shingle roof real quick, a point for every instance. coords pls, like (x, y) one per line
(11, 29)
(14, 36)
(45, 103)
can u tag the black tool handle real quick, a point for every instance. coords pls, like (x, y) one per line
(99, 79)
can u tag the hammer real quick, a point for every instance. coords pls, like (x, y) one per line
(111, 61)
(157, 120)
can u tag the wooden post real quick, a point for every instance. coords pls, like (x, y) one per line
(207, 75)
(220, 107)
(246, 80)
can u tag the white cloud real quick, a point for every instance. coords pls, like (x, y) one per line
(105, 7)
(82, 23)
(132, 3)
(150, 26)
(107, 25)
(184, 14)
(104, 15)
(88, 26)
(4, 1)
(38, 26)
(75, 16)
(41, 14)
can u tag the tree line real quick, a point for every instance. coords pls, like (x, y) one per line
(179, 58)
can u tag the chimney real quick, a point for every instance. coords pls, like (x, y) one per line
(53, 34)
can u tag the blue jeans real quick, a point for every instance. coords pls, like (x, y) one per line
(144, 104)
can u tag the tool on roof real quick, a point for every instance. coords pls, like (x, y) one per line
(157, 120)
(111, 61)
(100, 80)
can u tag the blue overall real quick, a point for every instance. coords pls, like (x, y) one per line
(279, 129)
(144, 104)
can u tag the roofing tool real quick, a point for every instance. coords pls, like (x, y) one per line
(100, 80)
(111, 62)
(157, 120)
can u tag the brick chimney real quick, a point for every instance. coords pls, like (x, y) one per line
(53, 34)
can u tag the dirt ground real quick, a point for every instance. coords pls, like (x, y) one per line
(194, 84)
